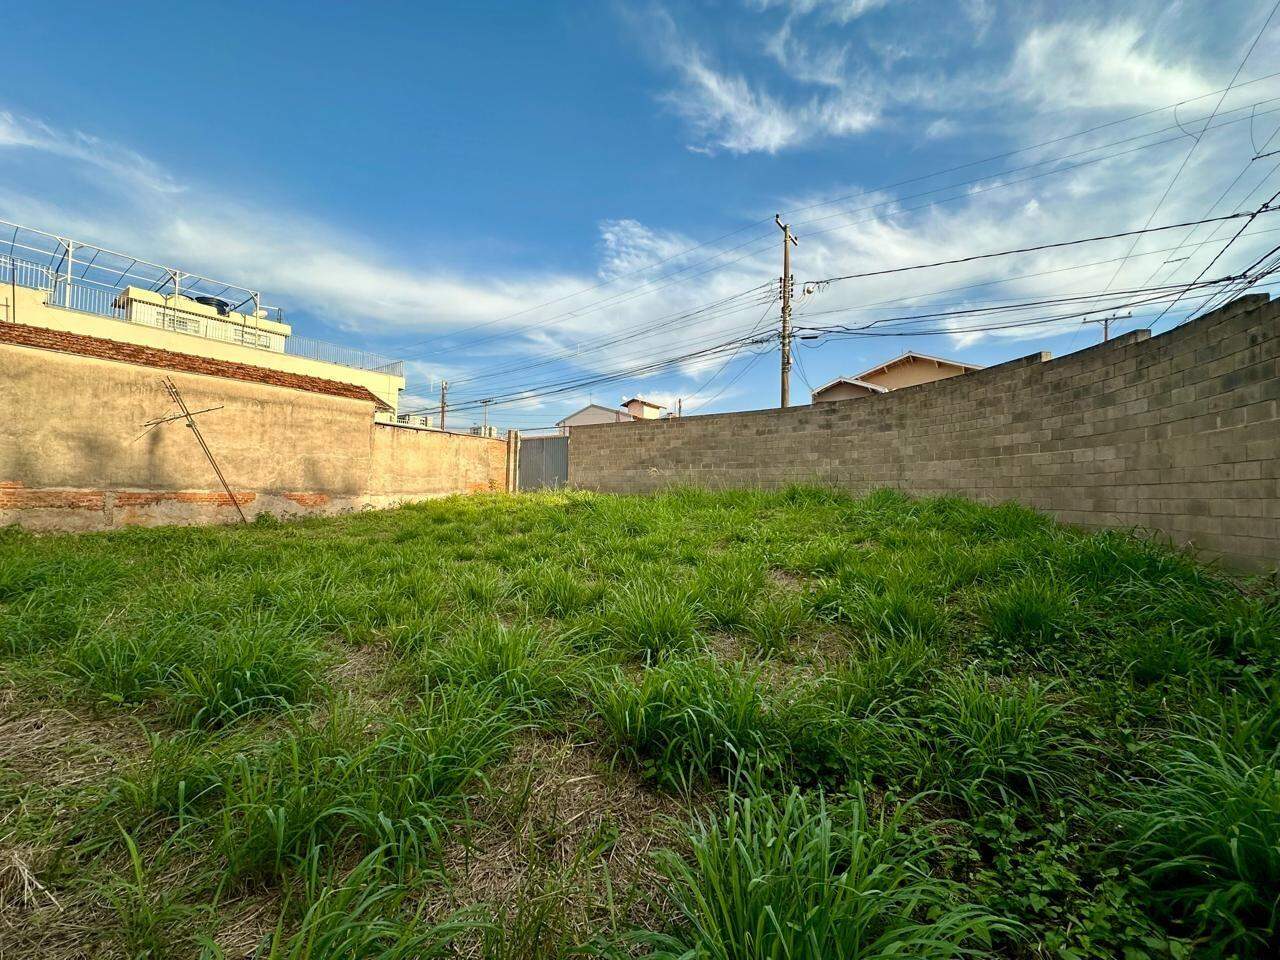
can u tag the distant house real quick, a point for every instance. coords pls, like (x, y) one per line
(637, 408)
(642, 409)
(905, 371)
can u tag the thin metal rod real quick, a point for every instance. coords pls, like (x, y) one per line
(191, 422)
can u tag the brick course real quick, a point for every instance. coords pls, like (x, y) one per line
(1178, 433)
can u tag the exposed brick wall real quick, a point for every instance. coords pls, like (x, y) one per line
(63, 342)
(1177, 433)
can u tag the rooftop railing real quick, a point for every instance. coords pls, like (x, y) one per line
(90, 279)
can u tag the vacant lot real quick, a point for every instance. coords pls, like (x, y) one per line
(708, 725)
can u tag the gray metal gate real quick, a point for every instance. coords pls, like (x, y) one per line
(543, 463)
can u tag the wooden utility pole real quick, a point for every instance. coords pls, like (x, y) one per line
(444, 398)
(788, 241)
(1106, 323)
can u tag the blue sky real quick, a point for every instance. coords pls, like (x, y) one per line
(396, 174)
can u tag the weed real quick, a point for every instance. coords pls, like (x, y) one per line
(649, 618)
(990, 746)
(535, 670)
(1029, 613)
(685, 721)
(790, 876)
(1204, 833)
(775, 621)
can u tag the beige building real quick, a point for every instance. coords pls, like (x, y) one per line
(642, 409)
(61, 285)
(637, 408)
(905, 371)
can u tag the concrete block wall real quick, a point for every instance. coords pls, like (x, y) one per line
(71, 455)
(1177, 433)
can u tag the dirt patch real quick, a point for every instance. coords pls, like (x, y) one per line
(60, 748)
(791, 582)
(565, 824)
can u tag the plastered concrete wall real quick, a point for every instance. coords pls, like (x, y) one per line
(72, 458)
(1177, 433)
(24, 305)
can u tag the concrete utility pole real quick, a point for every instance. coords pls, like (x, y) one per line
(788, 241)
(444, 396)
(484, 405)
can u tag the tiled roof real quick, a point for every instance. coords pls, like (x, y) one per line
(86, 346)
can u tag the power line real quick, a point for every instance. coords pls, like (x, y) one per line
(1243, 227)
(1186, 159)
(607, 301)
(1032, 249)
(706, 383)
(646, 352)
(712, 310)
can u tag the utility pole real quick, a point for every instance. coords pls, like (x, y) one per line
(1106, 323)
(444, 396)
(484, 405)
(788, 241)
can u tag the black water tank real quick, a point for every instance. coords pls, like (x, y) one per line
(217, 303)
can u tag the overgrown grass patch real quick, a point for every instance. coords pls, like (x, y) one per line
(885, 725)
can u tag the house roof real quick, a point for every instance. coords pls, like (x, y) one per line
(102, 349)
(912, 355)
(873, 387)
(594, 406)
(647, 403)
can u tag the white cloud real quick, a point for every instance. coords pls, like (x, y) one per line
(725, 111)
(941, 129)
(728, 112)
(1099, 66)
(117, 162)
(806, 62)
(835, 11)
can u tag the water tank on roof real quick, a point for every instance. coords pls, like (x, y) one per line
(217, 303)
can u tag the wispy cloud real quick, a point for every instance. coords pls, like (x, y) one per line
(117, 162)
(1092, 65)
(728, 112)
(835, 11)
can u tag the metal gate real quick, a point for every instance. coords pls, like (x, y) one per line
(543, 463)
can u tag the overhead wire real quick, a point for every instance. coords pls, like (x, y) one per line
(1196, 143)
(641, 288)
(1035, 248)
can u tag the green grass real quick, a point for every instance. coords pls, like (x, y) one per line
(787, 875)
(703, 724)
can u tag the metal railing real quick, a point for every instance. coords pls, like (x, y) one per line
(94, 285)
(345, 356)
